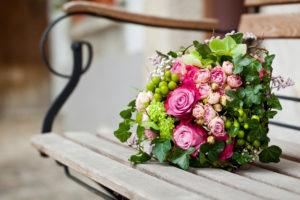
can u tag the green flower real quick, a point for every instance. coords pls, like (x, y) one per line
(166, 126)
(156, 111)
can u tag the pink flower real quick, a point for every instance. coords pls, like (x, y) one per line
(216, 125)
(198, 110)
(181, 101)
(143, 97)
(228, 150)
(149, 134)
(227, 67)
(145, 117)
(209, 113)
(257, 57)
(201, 76)
(187, 135)
(179, 68)
(191, 71)
(217, 75)
(221, 92)
(204, 91)
(234, 81)
(261, 73)
(213, 98)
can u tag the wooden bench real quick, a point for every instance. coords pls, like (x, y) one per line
(103, 159)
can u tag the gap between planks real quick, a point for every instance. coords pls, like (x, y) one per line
(202, 172)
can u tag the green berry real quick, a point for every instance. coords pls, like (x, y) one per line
(249, 146)
(248, 138)
(164, 89)
(240, 119)
(155, 80)
(172, 85)
(168, 74)
(168, 78)
(228, 124)
(246, 126)
(240, 142)
(163, 83)
(245, 116)
(175, 77)
(241, 134)
(256, 143)
(241, 112)
(157, 90)
(236, 124)
(157, 97)
(255, 117)
(150, 86)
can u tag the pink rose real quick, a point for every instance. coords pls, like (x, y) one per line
(204, 91)
(228, 150)
(181, 101)
(179, 68)
(217, 75)
(198, 110)
(191, 71)
(234, 81)
(209, 113)
(201, 76)
(143, 97)
(187, 135)
(227, 67)
(213, 98)
(216, 125)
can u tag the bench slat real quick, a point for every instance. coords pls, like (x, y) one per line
(290, 151)
(127, 181)
(268, 2)
(226, 178)
(181, 178)
(271, 25)
(121, 15)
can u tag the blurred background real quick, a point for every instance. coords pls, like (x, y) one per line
(120, 63)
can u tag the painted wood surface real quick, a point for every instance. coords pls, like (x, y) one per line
(268, 2)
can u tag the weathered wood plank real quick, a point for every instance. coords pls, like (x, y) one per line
(266, 176)
(290, 151)
(268, 2)
(177, 176)
(121, 15)
(127, 181)
(271, 25)
(285, 166)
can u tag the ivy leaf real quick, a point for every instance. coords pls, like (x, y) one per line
(268, 60)
(252, 95)
(257, 130)
(122, 135)
(213, 150)
(131, 104)
(241, 158)
(173, 54)
(150, 124)
(233, 131)
(202, 158)
(161, 149)
(273, 102)
(239, 63)
(161, 54)
(126, 114)
(140, 132)
(217, 45)
(238, 37)
(270, 154)
(139, 157)
(270, 114)
(239, 49)
(180, 158)
(190, 150)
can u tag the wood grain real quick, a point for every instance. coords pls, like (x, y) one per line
(290, 151)
(121, 15)
(268, 2)
(129, 182)
(178, 177)
(249, 183)
(271, 25)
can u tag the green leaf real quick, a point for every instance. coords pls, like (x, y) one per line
(139, 117)
(241, 158)
(173, 54)
(150, 124)
(180, 158)
(161, 149)
(190, 150)
(139, 157)
(203, 50)
(270, 154)
(140, 132)
(257, 130)
(161, 54)
(233, 131)
(213, 150)
(124, 126)
(229, 43)
(217, 45)
(273, 102)
(239, 63)
(270, 114)
(202, 158)
(213, 156)
(238, 37)
(252, 95)
(126, 114)
(269, 59)
(122, 135)
(131, 104)
(239, 49)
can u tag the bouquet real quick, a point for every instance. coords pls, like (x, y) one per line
(207, 105)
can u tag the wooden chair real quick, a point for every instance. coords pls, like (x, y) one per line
(104, 160)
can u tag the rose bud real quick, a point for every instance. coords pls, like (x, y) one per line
(227, 67)
(214, 86)
(198, 110)
(234, 81)
(226, 87)
(217, 75)
(223, 118)
(199, 121)
(213, 98)
(209, 113)
(211, 139)
(216, 125)
(201, 76)
(150, 134)
(205, 101)
(223, 99)
(204, 91)
(209, 67)
(218, 107)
